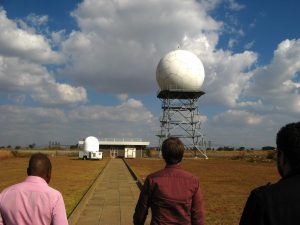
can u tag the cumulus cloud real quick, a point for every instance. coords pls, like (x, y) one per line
(43, 124)
(37, 20)
(130, 118)
(120, 43)
(24, 125)
(22, 114)
(131, 110)
(277, 85)
(17, 42)
(237, 117)
(227, 76)
(122, 97)
(243, 128)
(30, 79)
(249, 45)
(58, 36)
(268, 99)
(233, 5)
(116, 49)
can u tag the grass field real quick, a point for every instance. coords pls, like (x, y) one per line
(72, 177)
(225, 183)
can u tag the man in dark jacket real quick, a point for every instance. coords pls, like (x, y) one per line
(279, 203)
(173, 195)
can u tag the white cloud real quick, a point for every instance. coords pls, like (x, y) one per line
(202, 118)
(37, 20)
(30, 79)
(269, 98)
(249, 45)
(58, 36)
(275, 84)
(131, 110)
(128, 119)
(226, 76)
(242, 128)
(24, 124)
(58, 94)
(16, 42)
(237, 117)
(21, 114)
(120, 43)
(233, 5)
(116, 49)
(122, 97)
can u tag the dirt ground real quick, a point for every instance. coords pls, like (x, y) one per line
(225, 183)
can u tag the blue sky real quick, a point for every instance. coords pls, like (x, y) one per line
(70, 69)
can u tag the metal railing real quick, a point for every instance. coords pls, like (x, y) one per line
(122, 139)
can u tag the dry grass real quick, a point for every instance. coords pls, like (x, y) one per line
(4, 154)
(225, 183)
(72, 177)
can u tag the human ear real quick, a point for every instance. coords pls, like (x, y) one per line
(48, 176)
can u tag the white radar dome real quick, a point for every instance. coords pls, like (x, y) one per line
(91, 144)
(180, 70)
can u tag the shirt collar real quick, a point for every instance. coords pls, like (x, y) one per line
(35, 179)
(174, 166)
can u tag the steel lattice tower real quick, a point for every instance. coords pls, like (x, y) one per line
(181, 118)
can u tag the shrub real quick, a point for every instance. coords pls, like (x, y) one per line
(4, 154)
(152, 153)
(239, 156)
(268, 148)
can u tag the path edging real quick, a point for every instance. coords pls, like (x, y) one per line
(138, 180)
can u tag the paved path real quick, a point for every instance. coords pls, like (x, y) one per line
(111, 200)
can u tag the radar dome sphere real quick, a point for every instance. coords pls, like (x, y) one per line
(91, 144)
(180, 70)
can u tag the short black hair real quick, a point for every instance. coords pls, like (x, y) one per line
(288, 141)
(39, 165)
(172, 150)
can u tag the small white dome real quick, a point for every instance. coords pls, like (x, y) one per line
(91, 144)
(180, 70)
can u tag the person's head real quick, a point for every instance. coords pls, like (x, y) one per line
(288, 147)
(40, 165)
(172, 150)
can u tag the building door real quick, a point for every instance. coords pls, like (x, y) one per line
(113, 153)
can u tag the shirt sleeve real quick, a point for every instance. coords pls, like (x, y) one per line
(253, 212)
(59, 216)
(1, 219)
(141, 209)
(197, 212)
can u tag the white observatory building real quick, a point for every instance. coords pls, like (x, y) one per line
(91, 144)
(180, 75)
(90, 149)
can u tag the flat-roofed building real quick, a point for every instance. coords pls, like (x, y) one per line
(123, 147)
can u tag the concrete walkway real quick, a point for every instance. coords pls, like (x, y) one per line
(111, 200)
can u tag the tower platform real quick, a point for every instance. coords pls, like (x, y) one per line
(179, 94)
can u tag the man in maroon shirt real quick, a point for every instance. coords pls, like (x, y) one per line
(173, 194)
